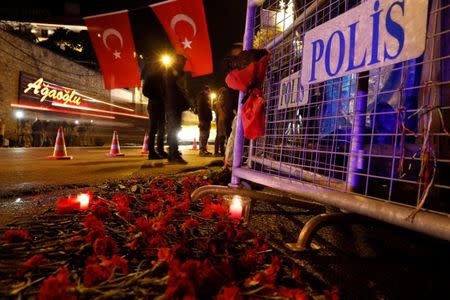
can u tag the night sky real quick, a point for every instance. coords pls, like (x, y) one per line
(225, 19)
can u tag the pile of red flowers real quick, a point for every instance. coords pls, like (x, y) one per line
(152, 243)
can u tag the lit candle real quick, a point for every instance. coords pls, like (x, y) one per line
(83, 199)
(236, 208)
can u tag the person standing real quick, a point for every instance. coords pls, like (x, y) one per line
(82, 134)
(2, 132)
(153, 89)
(221, 134)
(37, 129)
(203, 109)
(176, 101)
(231, 100)
(27, 139)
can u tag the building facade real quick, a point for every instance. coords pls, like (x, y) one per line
(39, 85)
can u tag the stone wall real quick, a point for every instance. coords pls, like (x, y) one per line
(19, 55)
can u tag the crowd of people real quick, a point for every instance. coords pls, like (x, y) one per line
(39, 133)
(166, 88)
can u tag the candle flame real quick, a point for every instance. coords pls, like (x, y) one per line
(84, 200)
(236, 207)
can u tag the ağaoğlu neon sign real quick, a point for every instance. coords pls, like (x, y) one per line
(44, 90)
(35, 93)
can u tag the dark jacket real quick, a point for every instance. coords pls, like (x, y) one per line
(177, 98)
(219, 109)
(203, 107)
(153, 88)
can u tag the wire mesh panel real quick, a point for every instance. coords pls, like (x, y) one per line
(379, 132)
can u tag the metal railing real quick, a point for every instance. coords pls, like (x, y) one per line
(373, 142)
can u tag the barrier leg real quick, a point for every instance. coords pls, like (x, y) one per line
(314, 224)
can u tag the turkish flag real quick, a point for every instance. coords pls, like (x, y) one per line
(113, 42)
(185, 23)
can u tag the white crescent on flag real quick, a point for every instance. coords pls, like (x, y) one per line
(112, 31)
(116, 33)
(185, 18)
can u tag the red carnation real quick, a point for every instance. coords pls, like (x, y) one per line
(56, 287)
(180, 282)
(230, 293)
(296, 274)
(157, 241)
(105, 246)
(95, 273)
(193, 279)
(120, 264)
(125, 212)
(95, 228)
(101, 210)
(189, 224)
(99, 269)
(32, 263)
(171, 199)
(154, 208)
(182, 208)
(268, 276)
(154, 195)
(16, 236)
(121, 199)
(213, 210)
(293, 294)
(333, 294)
(164, 254)
(145, 226)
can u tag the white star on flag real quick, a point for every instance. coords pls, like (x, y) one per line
(117, 54)
(186, 43)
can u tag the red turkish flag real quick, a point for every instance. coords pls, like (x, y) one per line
(113, 43)
(185, 23)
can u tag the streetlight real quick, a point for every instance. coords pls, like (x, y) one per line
(212, 96)
(19, 114)
(166, 60)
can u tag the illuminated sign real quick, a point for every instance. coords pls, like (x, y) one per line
(292, 92)
(46, 91)
(39, 94)
(371, 35)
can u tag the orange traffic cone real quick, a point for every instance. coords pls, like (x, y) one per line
(145, 145)
(115, 147)
(60, 151)
(194, 144)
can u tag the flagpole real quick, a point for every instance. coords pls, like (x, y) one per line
(239, 137)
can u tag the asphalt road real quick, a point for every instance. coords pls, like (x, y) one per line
(27, 170)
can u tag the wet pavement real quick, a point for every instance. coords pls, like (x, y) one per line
(28, 171)
(369, 261)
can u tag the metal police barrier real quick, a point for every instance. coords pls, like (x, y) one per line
(357, 107)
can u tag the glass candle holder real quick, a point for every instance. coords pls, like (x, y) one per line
(237, 206)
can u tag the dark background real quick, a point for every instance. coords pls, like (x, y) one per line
(225, 19)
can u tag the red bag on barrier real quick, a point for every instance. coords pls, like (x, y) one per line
(249, 80)
(241, 79)
(254, 116)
